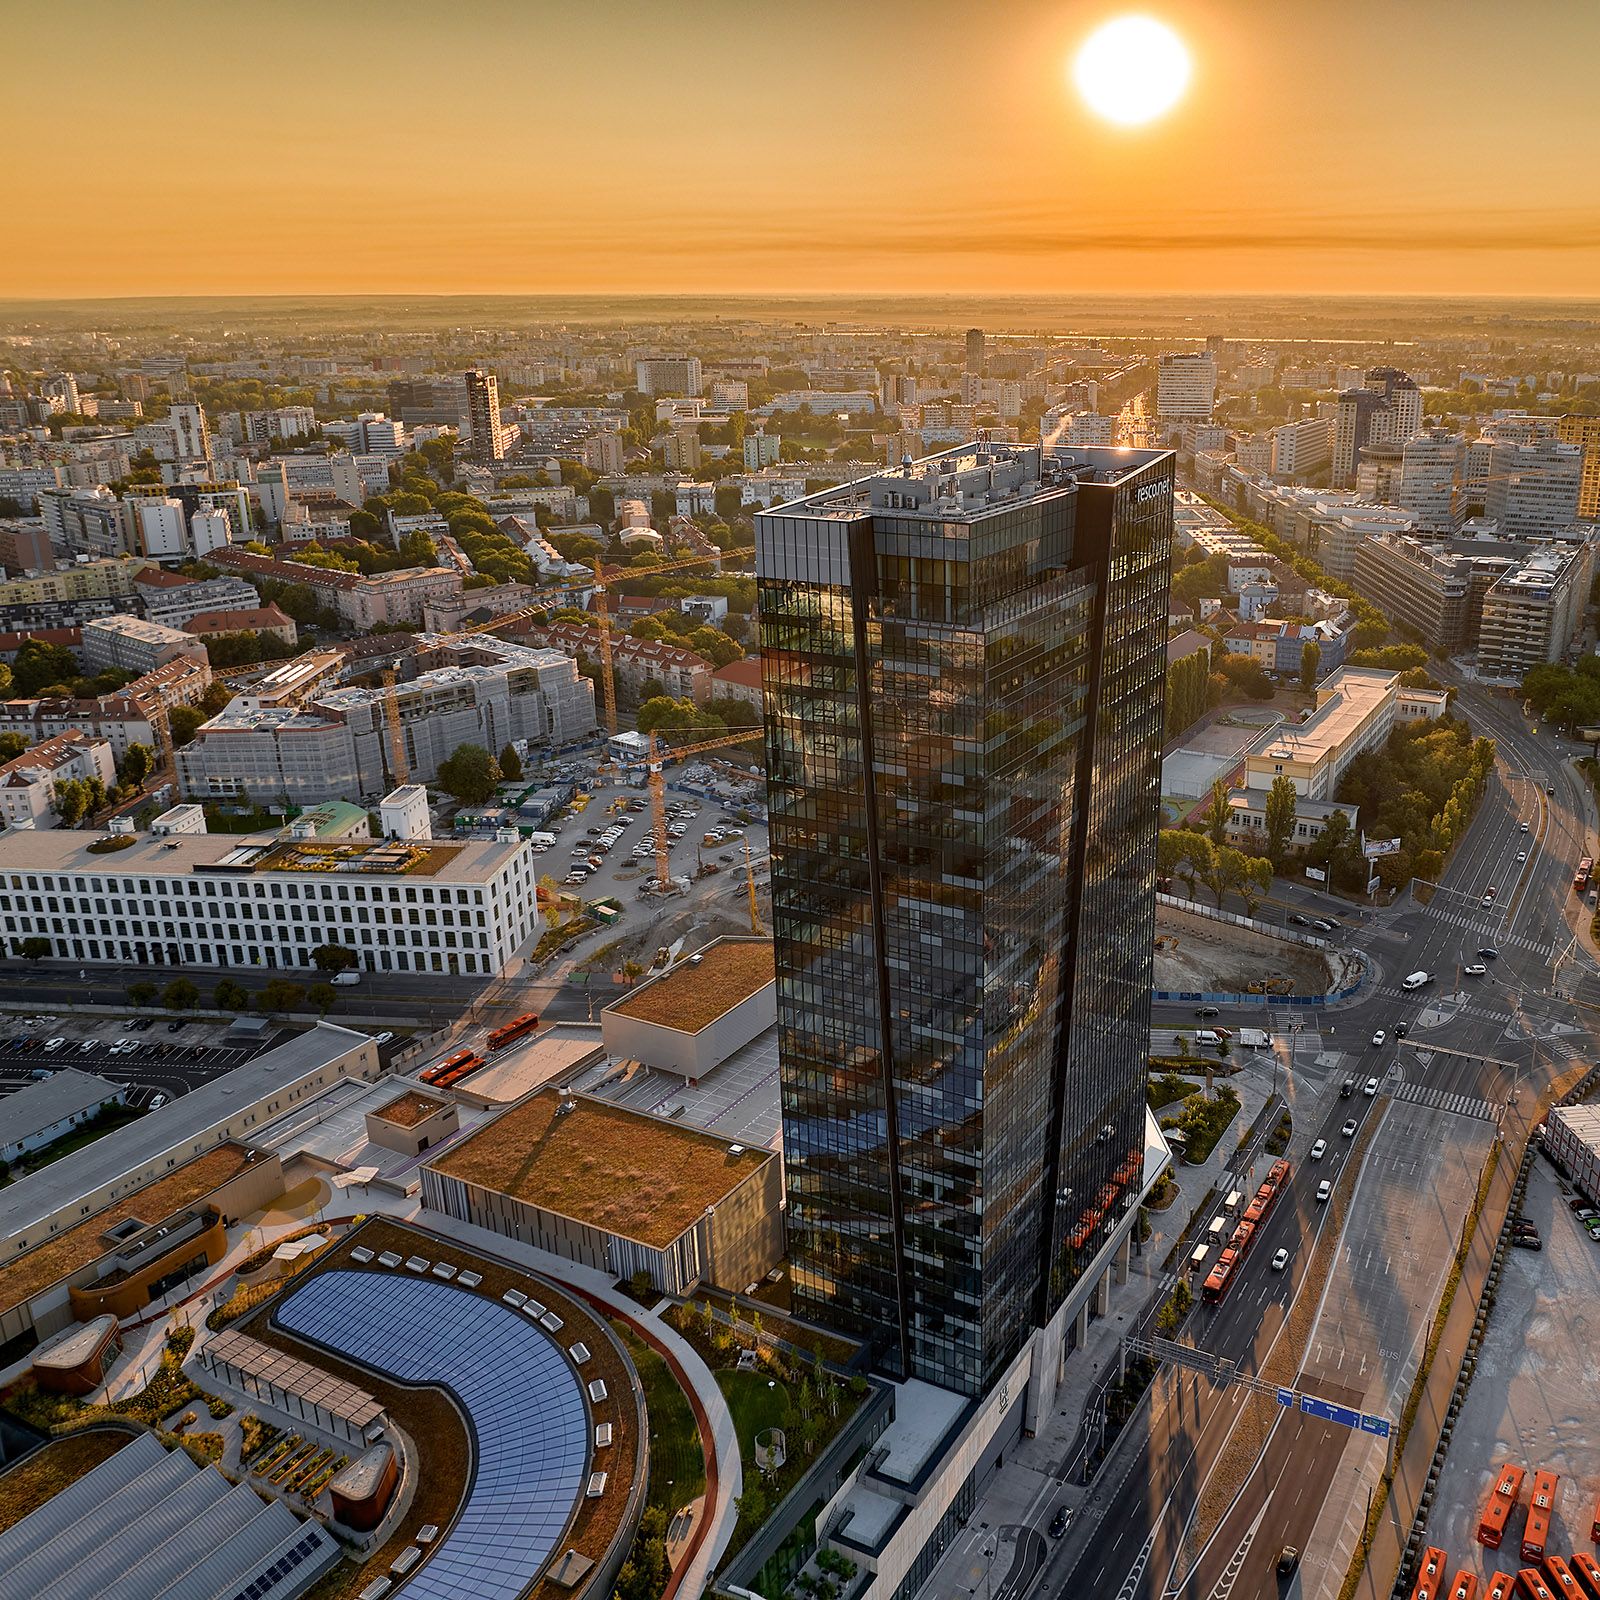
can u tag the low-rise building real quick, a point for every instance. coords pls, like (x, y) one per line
(261, 900)
(617, 1190)
(739, 680)
(37, 1114)
(683, 674)
(271, 620)
(123, 718)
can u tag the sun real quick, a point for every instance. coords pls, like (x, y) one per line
(1131, 70)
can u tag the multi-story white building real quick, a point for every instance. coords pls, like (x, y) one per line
(1301, 448)
(85, 522)
(191, 437)
(1186, 384)
(225, 901)
(1430, 481)
(1533, 489)
(668, 375)
(28, 782)
(372, 433)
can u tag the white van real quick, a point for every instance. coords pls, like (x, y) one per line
(1207, 1036)
(347, 977)
(1416, 980)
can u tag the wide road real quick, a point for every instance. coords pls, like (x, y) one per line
(1128, 1550)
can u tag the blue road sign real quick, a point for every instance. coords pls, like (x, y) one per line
(1287, 1397)
(1327, 1411)
(1378, 1426)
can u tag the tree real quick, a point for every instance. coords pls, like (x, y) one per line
(230, 996)
(71, 801)
(323, 996)
(184, 722)
(470, 774)
(34, 948)
(1218, 813)
(138, 762)
(11, 746)
(1191, 854)
(1310, 662)
(39, 664)
(1281, 802)
(1247, 676)
(511, 764)
(180, 995)
(142, 993)
(279, 995)
(334, 958)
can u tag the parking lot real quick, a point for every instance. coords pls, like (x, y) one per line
(1532, 1396)
(711, 816)
(158, 1058)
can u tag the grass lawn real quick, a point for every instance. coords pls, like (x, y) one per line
(677, 1464)
(1168, 1087)
(106, 1122)
(754, 1405)
(1202, 1122)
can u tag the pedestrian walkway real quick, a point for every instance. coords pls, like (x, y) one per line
(1459, 1105)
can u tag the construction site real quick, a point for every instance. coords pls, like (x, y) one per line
(1196, 954)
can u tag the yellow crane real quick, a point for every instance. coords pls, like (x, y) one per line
(750, 889)
(600, 583)
(399, 767)
(655, 780)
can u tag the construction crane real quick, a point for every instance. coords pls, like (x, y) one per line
(655, 780)
(600, 583)
(399, 767)
(750, 889)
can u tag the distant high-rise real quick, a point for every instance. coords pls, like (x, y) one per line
(1430, 481)
(486, 438)
(975, 355)
(1585, 433)
(1534, 489)
(668, 375)
(1386, 410)
(963, 667)
(1186, 385)
(191, 436)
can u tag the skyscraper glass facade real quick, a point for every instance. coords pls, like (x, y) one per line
(963, 669)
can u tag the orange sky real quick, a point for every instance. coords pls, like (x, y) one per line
(1352, 146)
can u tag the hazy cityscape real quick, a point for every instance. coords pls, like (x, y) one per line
(875, 885)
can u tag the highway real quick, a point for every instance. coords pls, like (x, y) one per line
(1127, 1542)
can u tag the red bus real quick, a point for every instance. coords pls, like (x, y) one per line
(1464, 1586)
(1501, 1585)
(1430, 1576)
(1580, 879)
(1220, 1279)
(460, 1070)
(1502, 1502)
(448, 1065)
(1587, 1572)
(1561, 1581)
(1539, 1509)
(517, 1028)
(1533, 1584)
(1594, 1532)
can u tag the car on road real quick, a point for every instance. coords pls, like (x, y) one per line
(1298, 920)
(1280, 1261)
(1058, 1523)
(1550, 789)
(1380, 1037)
(1488, 952)
(1475, 969)
(1207, 1011)
(1522, 855)
(1525, 828)
(1401, 1029)
(1347, 1089)
(1487, 901)
(1322, 925)
(1371, 1088)
(1319, 1149)
(1349, 1129)
(1288, 1560)
(1324, 1190)
(1527, 1241)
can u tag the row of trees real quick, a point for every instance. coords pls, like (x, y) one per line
(1220, 868)
(1566, 696)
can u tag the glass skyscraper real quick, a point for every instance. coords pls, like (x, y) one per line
(963, 668)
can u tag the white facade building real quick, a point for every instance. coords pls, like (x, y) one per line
(1430, 475)
(1186, 385)
(1532, 490)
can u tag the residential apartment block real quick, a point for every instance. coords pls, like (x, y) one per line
(1186, 385)
(130, 644)
(27, 782)
(122, 718)
(683, 674)
(387, 597)
(1534, 611)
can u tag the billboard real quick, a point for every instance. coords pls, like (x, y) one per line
(1316, 874)
(1374, 848)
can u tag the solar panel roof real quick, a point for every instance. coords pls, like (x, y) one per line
(522, 1398)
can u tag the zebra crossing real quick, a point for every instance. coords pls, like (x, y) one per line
(1459, 1105)
(1487, 935)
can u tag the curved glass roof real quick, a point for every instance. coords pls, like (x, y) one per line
(518, 1390)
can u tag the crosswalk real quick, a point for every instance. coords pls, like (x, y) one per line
(1489, 934)
(1459, 1105)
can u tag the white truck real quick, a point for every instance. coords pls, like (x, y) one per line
(1416, 980)
(1255, 1038)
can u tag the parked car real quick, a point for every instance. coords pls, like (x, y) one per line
(87, 1046)
(157, 1101)
(1527, 1241)
(178, 1026)
(52, 1045)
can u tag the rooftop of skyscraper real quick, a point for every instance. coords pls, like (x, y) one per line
(973, 480)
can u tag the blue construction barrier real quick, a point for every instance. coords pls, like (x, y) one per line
(1175, 996)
